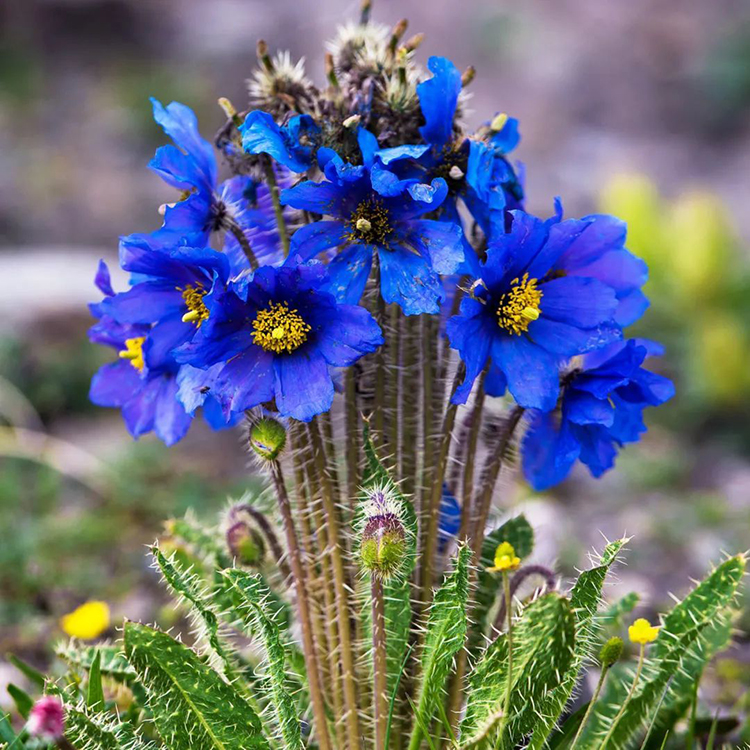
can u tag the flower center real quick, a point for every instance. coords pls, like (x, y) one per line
(133, 351)
(520, 306)
(197, 311)
(279, 329)
(370, 223)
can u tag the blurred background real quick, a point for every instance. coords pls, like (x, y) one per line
(641, 109)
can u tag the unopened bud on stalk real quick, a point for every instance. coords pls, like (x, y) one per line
(498, 123)
(263, 56)
(611, 652)
(413, 42)
(383, 546)
(398, 31)
(267, 438)
(46, 719)
(245, 544)
(468, 75)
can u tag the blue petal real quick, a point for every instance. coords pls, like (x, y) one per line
(561, 235)
(171, 421)
(505, 140)
(324, 198)
(441, 240)
(578, 301)
(311, 239)
(303, 384)
(115, 384)
(103, 280)
(533, 374)
(246, 381)
(449, 521)
(427, 197)
(347, 333)
(164, 338)
(567, 340)
(547, 453)
(144, 303)
(261, 134)
(348, 273)
(630, 308)
(407, 279)
(603, 233)
(139, 412)
(495, 384)
(368, 145)
(398, 153)
(583, 408)
(472, 340)
(438, 97)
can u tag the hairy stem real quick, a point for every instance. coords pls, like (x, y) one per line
(239, 235)
(613, 725)
(273, 188)
(343, 613)
(379, 662)
(528, 570)
(270, 535)
(303, 607)
(509, 609)
(394, 365)
(592, 702)
(409, 392)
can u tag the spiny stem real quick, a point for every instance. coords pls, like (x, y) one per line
(430, 514)
(428, 382)
(624, 705)
(379, 663)
(339, 583)
(303, 607)
(394, 349)
(594, 698)
(270, 535)
(409, 390)
(273, 189)
(509, 609)
(517, 581)
(239, 235)
(378, 303)
(352, 437)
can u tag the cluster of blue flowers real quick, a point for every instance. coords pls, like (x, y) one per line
(543, 303)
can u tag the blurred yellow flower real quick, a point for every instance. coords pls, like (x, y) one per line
(505, 558)
(642, 631)
(88, 621)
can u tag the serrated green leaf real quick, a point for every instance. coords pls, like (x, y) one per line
(585, 599)
(543, 647)
(612, 617)
(22, 699)
(112, 659)
(95, 692)
(444, 636)
(100, 731)
(250, 599)
(519, 533)
(32, 674)
(683, 630)
(191, 705)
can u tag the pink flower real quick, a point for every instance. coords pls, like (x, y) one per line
(46, 719)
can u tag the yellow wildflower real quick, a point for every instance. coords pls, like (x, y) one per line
(505, 558)
(642, 631)
(87, 622)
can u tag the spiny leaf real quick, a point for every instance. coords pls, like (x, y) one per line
(684, 629)
(612, 617)
(112, 659)
(444, 636)
(543, 647)
(585, 599)
(250, 599)
(191, 705)
(100, 731)
(202, 542)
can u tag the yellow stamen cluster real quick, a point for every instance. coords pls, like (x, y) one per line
(505, 558)
(279, 329)
(133, 351)
(197, 311)
(370, 223)
(520, 306)
(642, 631)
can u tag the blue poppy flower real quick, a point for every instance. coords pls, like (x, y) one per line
(239, 205)
(172, 282)
(274, 335)
(601, 409)
(372, 211)
(292, 145)
(526, 315)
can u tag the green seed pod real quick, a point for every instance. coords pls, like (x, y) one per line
(267, 438)
(383, 545)
(611, 652)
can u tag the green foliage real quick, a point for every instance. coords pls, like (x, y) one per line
(89, 730)
(444, 636)
(81, 656)
(543, 647)
(192, 706)
(251, 600)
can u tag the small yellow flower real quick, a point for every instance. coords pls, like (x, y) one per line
(505, 558)
(643, 632)
(87, 622)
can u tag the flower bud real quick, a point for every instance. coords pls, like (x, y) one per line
(267, 438)
(46, 719)
(611, 652)
(383, 545)
(246, 544)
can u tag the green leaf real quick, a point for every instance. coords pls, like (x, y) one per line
(445, 635)
(100, 731)
(24, 702)
(95, 692)
(519, 533)
(250, 599)
(684, 631)
(112, 661)
(6, 730)
(613, 616)
(191, 705)
(543, 647)
(33, 675)
(585, 599)
(192, 591)
(202, 543)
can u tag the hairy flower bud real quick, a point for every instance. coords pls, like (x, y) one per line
(611, 652)
(246, 544)
(267, 438)
(46, 719)
(383, 545)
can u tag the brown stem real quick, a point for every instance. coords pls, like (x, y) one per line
(343, 610)
(240, 236)
(303, 607)
(379, 663)
(352, 438)
(278, 210)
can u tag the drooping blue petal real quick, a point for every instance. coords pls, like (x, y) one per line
(408, 279)
(325, 198)
(114, 384)
(103, 280)
(346, 333)
(139, 412)
(547, 452)
(507, 138)
(438, 98)
(449, 521)
(567, 341)
(311, 239)
(261, 135)
(303, 386)
(495, 384)
(171, 421)
(583, 408)
(470, 336)
(246, 381)
(147, 302)
(581, 302)
(441, 240)
(533, 374)
(348, 273)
